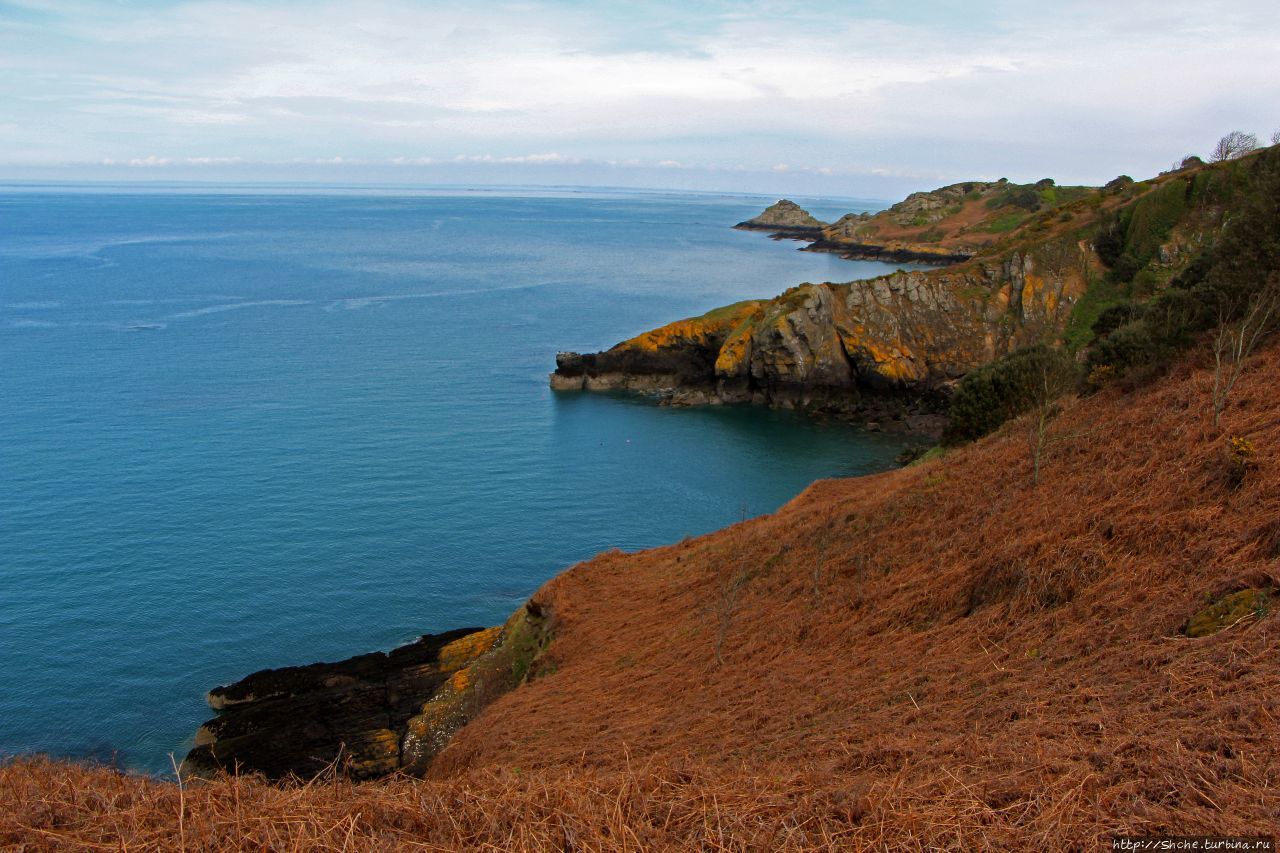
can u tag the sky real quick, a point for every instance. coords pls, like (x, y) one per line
(866, 99)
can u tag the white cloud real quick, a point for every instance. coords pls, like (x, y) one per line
(1081, 89)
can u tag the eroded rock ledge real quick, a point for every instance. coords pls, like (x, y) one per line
(372, 714)
(893, 254)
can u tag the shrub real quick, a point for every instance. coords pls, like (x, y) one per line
(1149, 220)
(1128, 346)
(1239, 457)
(1218, 285)
(1125, 267)
(1116, 316)
(1025, 198)
(994, 393)
(1118, 183)
(1109, 242)
(1145, 282)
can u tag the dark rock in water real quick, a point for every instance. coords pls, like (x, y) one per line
(855, 251)
(368, 715)
(299, 720)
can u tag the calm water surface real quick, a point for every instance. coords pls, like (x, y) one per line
(241, 430)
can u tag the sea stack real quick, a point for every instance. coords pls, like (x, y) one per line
(786, 219)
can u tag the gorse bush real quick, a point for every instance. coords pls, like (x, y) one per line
(1116, 316)
(1004, 389)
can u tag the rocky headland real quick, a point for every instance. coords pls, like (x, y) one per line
(884, 349)
(1016, 262)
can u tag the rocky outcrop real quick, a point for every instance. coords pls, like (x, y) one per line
(849, 347)
(926, 208)
(679, 355)
(369, 715)
(785, 219)
(889, 252)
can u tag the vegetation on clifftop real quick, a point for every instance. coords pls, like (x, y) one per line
(1186, 254)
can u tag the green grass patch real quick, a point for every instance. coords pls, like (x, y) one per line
(1101, 294)
(1005, 224)
(936, 452)
(726, 311)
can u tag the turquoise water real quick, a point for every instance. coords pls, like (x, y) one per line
(242, 429)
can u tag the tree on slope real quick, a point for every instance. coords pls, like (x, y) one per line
(1235, 144)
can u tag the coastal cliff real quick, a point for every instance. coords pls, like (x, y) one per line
(849, 347)
(1025, 265)
(885, 348)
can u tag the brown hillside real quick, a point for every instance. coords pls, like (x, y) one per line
(944, 655)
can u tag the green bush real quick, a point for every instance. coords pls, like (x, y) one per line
(1149, 221)
(1128, 346)
(1125, 267)
(1116, 316)
(1218, 283)
(1109, 241)
(1004, 389)
(1146, 282)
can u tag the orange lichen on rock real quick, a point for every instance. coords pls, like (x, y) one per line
(710, 328)
(463, 652)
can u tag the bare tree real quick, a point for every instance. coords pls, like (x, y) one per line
(1235, 144)
(1275, 138)
(1236, 339)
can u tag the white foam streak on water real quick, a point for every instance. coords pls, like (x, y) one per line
(236, 306)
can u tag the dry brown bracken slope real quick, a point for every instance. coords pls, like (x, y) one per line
(944, 655)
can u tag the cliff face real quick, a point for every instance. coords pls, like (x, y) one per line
(825, 346)
(1037, 257)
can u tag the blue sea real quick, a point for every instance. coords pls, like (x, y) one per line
(253, 427)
